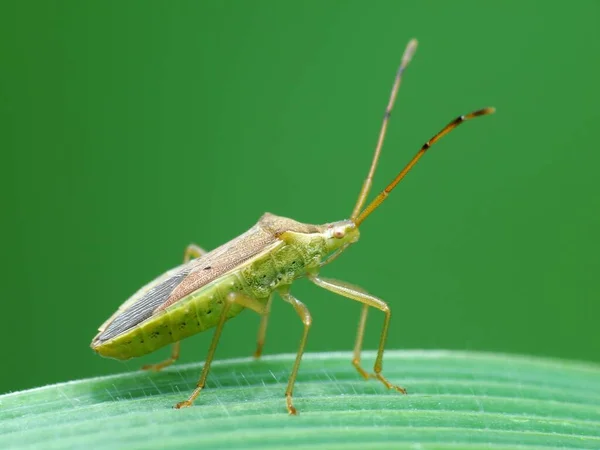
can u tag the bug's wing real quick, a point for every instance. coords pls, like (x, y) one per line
(254, 242)
(185, 279)
(142, 304)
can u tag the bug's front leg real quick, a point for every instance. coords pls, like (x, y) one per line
(230, 299)
(192, 251)
(355, 293)
(360, 334)
(304, 314)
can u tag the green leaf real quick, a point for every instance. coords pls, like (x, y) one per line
(456, 401)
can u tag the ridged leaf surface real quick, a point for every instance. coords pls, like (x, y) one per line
(456, 401)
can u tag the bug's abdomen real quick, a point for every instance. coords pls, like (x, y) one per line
(201, 309)
(265, 274)
(193, 314)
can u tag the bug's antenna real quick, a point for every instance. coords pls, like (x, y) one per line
(406, 57)
(447, 129)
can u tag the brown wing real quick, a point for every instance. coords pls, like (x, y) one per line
(223, 259)
(261, 237)
(183, 280)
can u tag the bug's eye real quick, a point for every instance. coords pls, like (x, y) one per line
(338, 233)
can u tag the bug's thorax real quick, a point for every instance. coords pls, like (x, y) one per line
(317, 242)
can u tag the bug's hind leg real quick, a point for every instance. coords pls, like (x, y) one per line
(230, 299)
(192, 251)
(262, 330)
(355, 293)
(167, 362)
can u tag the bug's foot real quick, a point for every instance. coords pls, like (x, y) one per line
(363, 373)
(288, 402)
(159, 366)
(388, 384)
(183, 404)
(258, 351)
(187, 403)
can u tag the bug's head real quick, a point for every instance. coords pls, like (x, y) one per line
(340, 234)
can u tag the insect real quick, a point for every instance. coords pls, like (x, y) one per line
(210, 288)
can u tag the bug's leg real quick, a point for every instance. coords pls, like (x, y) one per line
(192, 251)
(230, 299)
(167, 362)
(304, 314)
(262, 330)
(359, 340)
(355, 293)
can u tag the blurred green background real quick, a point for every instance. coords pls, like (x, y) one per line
(129, 129)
